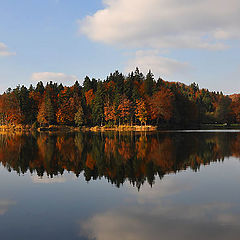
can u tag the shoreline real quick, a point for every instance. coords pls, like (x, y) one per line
(122, 128)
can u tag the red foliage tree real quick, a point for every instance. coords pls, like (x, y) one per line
(161, 105)
(89, 95)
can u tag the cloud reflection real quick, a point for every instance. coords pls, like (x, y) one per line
(4, 206)
(56, 179)
(159, 213)
(179, 222)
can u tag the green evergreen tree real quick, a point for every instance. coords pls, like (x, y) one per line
(128, 86)
(49, 108)
(223, 111)
(149, 83)
(87, 84)
(40, 87)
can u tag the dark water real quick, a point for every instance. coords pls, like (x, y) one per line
(133, 186)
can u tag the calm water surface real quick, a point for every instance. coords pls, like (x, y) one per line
(133, 186)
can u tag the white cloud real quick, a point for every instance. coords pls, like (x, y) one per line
(4, 50)
(52, 76)
(160, 66)
(165, 23)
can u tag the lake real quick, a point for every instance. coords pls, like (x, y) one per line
(114, 186)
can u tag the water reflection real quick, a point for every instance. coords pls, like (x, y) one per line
(117, 157)
(4, 205)
(188, 205)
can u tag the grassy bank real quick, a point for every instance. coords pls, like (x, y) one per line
(15, 128)
(136, 128)
(124, 128)
(63, 128)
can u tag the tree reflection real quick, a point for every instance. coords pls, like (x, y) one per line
(119, 157)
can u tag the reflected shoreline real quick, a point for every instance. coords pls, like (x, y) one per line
(136, 157)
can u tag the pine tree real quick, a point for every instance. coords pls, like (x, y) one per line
(79, 116)
(42, 116)
(87, 84)
(149, 83)
(40, 87)
(128, 86)
(49, 110)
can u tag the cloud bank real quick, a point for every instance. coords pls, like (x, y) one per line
(203, 24)
(160, 66)
(53, 76)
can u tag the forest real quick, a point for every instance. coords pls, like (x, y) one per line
(134, 99)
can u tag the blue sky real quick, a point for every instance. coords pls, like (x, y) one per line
(187, 41)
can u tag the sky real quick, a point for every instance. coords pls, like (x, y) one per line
(65, 40)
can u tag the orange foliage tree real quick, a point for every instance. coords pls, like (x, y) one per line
(141, 111)
(161, 105)
(109, 112)
(89, 95)
(12, 109)
(66, 112)
(124, 109)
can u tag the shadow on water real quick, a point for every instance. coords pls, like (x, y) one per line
(133, 157)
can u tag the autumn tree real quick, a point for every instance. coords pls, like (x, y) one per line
(89, 95)
(110, 113)
(161, 105)
(141, 111)
(12, 108)
(66, 112)
(67, 106)
(124, 108)
(98, 106)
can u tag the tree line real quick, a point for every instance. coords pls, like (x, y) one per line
(132, 99)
